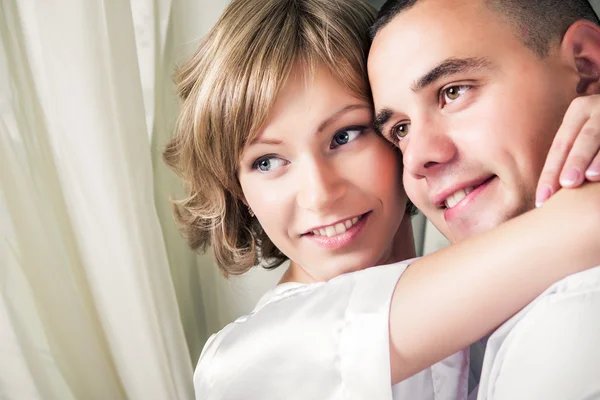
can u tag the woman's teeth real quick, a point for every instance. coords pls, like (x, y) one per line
(336, 229)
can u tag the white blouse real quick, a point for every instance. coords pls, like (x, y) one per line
(327, 340)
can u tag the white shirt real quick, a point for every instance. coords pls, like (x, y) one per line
(551, 349)
(320, 341)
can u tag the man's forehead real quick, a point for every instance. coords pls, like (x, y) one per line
(434, 25)
(415, 68)
(414, 43)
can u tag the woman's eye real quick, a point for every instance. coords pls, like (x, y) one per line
(400, 131)
(453, 93)
(345, 136)
(268, 163)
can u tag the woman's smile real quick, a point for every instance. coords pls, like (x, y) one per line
(339, 235)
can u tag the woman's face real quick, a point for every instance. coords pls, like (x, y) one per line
(324, 186)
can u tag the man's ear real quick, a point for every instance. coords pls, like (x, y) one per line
(581, 45)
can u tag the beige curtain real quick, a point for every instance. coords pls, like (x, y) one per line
(99, 296)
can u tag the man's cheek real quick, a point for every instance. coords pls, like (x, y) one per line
(417, 194)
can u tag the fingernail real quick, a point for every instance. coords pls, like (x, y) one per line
(593, 172)
(570, 177)
(543, 193)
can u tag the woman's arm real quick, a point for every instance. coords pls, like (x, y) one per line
(446, 301)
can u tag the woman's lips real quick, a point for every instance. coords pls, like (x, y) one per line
(343, 239)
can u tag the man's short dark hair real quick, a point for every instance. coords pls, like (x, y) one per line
(538, 22)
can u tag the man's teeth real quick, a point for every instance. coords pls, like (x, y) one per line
(337, 229)
(457, 197)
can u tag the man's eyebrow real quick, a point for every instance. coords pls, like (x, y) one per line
(381, 119)
(448, 67)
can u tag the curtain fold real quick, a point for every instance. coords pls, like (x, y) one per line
(87, 292)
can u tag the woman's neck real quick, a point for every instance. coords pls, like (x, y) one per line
(403, 245)
(295, 273)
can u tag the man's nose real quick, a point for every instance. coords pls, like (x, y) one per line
(321, 185)
(428, 148)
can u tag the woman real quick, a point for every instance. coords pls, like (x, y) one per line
(276, 149)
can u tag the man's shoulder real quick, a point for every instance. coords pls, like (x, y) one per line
(573, 297)
(527, 356)
(580, 282)
(569, 292)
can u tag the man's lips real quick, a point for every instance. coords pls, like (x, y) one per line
(450, 197)
(464, 207)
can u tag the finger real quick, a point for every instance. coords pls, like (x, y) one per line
(573, 122)
(593, 172)
(582, 154)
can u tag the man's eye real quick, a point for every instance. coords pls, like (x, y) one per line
(453, 93)
(268, 163)
(345, 136)
(400, 131)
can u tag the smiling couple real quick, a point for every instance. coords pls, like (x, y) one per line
(306, 126)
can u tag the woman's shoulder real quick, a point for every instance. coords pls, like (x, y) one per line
(252, 348)
(263, 328)
(295, 329)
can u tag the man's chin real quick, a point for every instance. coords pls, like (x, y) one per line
(457, 231)
(481, 217)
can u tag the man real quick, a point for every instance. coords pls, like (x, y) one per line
(473, 92)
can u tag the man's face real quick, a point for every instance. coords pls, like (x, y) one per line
(473, 110)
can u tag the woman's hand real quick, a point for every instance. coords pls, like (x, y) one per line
(575, 153)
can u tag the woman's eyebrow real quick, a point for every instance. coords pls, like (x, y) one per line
(338, 114)
(261, 140)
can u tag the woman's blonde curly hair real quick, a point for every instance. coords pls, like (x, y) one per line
(228, 88)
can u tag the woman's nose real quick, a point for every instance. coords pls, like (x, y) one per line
(321, 186)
